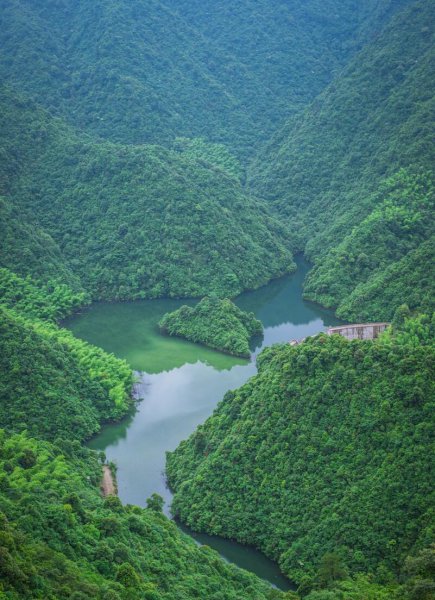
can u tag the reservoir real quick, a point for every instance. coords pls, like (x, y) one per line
(180, 384)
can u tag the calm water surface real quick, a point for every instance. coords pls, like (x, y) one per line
(180, 385)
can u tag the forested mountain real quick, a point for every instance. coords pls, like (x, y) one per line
(182, 148)
(132, 221)
(325, 450)
(336, 172)
(151, 71)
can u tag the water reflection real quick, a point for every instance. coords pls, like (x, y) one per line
(175, 402)
(181, 383)
(243, 556)
(129, 330)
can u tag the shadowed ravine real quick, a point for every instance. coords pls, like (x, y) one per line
(180, 385)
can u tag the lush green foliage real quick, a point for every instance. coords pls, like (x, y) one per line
(323, 459)
(60, 540)
(412, 278)
(142, 221)
(395, 232)
(215, 155)
(216, 323)
(54, 384)
(51, 301)
(26, 248)
(326, 449)
(141, 72)
(328, 170)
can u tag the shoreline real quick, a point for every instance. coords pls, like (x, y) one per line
(108, 483)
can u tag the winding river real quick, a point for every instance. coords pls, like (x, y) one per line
(180, 384)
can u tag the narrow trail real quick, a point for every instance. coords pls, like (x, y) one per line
(108, 487)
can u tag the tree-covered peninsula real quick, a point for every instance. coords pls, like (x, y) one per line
(326, 450)
(217, 323)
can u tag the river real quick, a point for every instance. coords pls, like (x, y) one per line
(180, 385)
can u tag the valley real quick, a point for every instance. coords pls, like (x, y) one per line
(160, 154)
(176, 397)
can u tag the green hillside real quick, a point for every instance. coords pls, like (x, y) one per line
(135, 221)
(399, 231)
(60, 540)
(325, 450)
(328, 171)
(54, 385)
(147, 72)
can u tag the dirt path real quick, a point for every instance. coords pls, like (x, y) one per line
(107, 483)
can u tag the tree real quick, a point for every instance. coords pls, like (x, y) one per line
(127, 575)
(331, 569)
(155, 502)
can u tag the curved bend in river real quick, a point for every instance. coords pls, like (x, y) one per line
(181, 382)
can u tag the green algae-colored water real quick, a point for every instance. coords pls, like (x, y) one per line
(180, 384)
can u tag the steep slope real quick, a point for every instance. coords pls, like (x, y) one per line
(326, 170)
(398, 231)
(139, 221)
(412, 277)
(327, 449)
(62, 541)
(29, 250)
(54, 385)
(141, 72)
(292, 48)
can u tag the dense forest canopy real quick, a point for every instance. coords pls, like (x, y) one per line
(149, 71)
(60, 539)
(188, 148)
(325, 450)
(134, 221)
(216, 323)
(365, 143)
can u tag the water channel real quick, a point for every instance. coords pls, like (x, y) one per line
(180, 385)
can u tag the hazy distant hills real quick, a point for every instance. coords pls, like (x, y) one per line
(151, 71)
(143, 75)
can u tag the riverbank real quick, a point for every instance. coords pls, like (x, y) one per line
(108, 484)
(181, 383)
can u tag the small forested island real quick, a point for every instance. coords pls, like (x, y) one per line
(214, 322)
